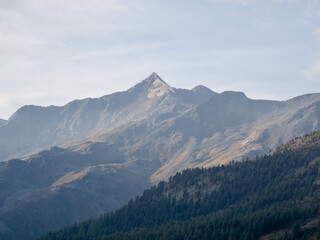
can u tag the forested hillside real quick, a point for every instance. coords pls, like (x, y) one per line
(275, 196)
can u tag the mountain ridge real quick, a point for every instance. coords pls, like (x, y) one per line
(135, 140)
(194, 115)
(268, 196)
(82, 118)
(2, 122)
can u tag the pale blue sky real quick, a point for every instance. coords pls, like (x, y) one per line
(54, 51)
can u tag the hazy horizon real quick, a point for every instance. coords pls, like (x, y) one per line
(53, 52)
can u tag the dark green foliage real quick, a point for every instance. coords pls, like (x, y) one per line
(296, 230)
(238, 201)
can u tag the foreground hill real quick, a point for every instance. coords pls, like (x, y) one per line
(273, 197)
(58, 187)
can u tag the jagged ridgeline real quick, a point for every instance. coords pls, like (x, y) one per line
(275, 196)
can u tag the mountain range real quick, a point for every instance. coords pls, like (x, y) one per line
(65, 164)
(275, 196)
(33, 128)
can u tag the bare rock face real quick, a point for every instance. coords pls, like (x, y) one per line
(33, 128)
(113, 147)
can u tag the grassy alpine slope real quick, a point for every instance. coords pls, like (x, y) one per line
(273, 196)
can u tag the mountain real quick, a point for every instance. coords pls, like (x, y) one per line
(229, 126)
(271, 197)
(58, 187)
(2, 122)
(111, 148)
(233, 127)
(33, 128)
(198, 126)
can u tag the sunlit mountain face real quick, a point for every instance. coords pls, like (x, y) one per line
(91, 156)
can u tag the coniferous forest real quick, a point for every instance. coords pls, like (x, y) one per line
(275, 196)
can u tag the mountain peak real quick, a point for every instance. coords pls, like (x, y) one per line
(154, 85)
(154, 75)
(158, 87)
(155, 79)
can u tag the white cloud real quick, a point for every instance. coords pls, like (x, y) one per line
(11, 42)
(313, 72)
(81, 48)
(287, 1)
(247, 2)
(81, 11)
(316, 31)
(234, 1)
(14, 35)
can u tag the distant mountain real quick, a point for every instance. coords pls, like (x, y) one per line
(272, 197)
(2, 122)
(229, 126)
(33, 128)
(111, 148)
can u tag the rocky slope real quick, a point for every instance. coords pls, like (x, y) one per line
(111, 148)
(33, 128)
(271, 197)
(227, 127)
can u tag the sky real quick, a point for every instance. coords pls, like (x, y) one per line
(55, 51)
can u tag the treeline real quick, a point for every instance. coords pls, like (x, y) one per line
(241, 200)
(230, 225)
